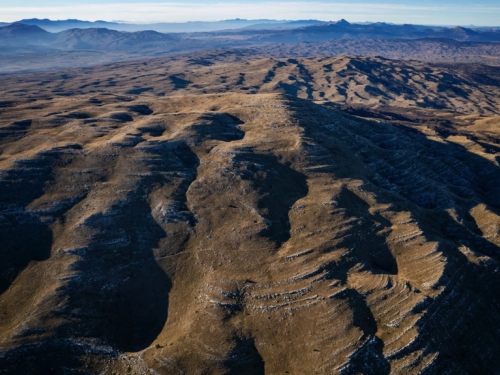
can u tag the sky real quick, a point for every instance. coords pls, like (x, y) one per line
(437, 12)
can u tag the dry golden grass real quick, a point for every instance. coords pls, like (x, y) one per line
(245, 234)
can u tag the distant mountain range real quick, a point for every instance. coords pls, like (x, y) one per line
(106, 39)
(195, 26)
(113, 45)
(17, 35)
(203, 26)
(380, 30)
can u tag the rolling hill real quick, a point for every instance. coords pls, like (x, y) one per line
(372, 83)
(19, 33)
(221, 213)
(245, 233)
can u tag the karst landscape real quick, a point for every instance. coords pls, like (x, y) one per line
(271, 205)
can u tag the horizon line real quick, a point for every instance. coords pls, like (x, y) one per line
(124, 22)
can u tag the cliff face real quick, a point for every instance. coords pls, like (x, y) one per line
(221, 234)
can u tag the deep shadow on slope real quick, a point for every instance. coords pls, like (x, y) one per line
(432, 180)
(24, 236)
(245, 359)
(369, 358)
(119, 293)
(119, 285)
(214, 126)
(279, 187)
(378, 254)
(66, 357)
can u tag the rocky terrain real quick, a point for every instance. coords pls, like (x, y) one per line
(403, 88)
(428, 50)
(216, 214)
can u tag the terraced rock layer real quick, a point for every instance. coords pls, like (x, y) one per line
(243, 234)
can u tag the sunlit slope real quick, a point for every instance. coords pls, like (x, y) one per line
(242, 234)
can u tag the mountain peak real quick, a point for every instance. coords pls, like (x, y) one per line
(342, 22)
(463, 31)
(21, 29)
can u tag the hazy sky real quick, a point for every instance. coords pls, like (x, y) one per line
(442, 12)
